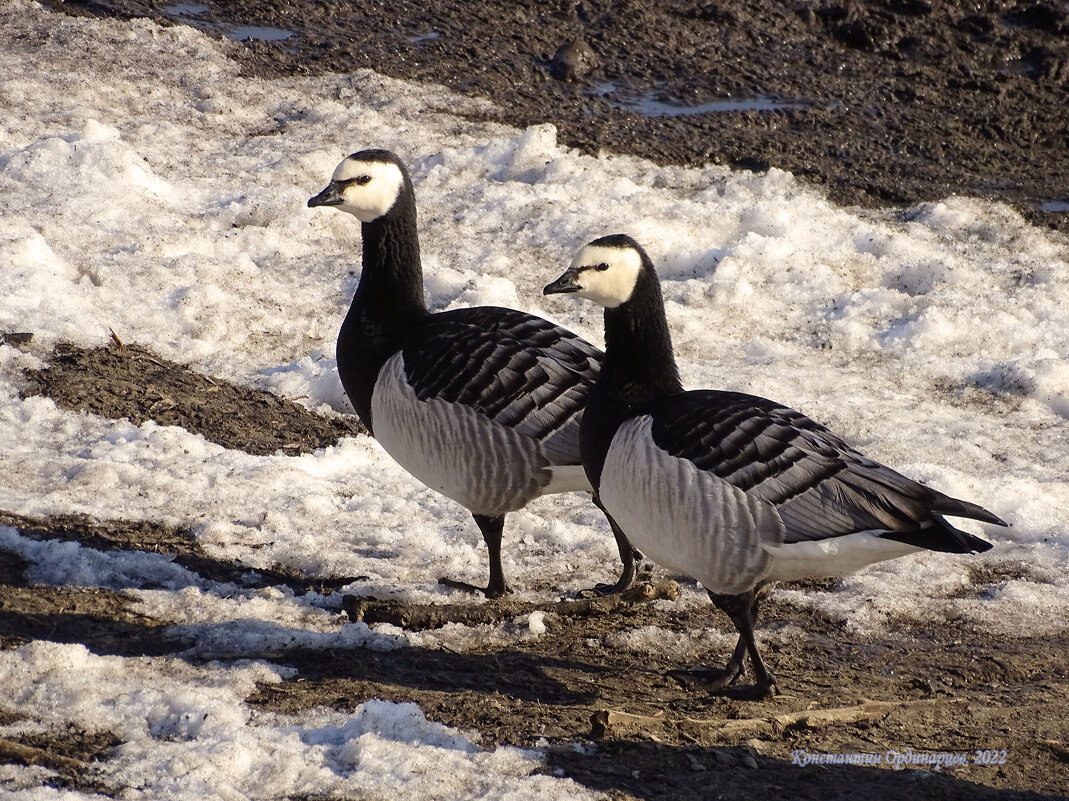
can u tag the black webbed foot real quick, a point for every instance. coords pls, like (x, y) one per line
(707, 677)
(712, 678)
(629, 558)
(491, 528)
(762, 688)
(489, 591)
(742, 609)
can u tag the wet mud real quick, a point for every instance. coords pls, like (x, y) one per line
(875, 102)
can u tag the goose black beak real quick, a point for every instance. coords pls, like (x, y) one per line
(569, 282)
(331, 196)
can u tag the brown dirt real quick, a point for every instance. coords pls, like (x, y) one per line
(1004, 693)
(140, 386)
(883, 102)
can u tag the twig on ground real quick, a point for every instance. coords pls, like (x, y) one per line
(31, 755)
(607, 722)
(432, 616)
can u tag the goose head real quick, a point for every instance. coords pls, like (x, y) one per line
(366, 184)
(604, 271)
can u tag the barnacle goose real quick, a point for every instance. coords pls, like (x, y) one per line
(732, 489)
(480, 404)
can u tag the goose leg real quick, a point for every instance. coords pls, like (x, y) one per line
(629, 556)
(721, 678)
(492, 528)
(714, 678)
(742, 609)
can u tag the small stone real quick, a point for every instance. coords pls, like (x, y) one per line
(573, 61)
(760, 746)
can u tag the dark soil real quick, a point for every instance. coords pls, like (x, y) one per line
(982, 692)
(880, 101)
(128, 381)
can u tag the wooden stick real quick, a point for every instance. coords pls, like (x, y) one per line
(606, 722)
(31, 755)
(419, 617)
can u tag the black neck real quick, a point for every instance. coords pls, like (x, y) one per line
(390, 295)
(639, 368)
(639, 365)
(388, 304)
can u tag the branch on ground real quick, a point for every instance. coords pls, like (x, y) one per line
(613, 723)
(419, 617)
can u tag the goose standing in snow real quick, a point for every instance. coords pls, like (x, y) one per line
(481, 404)
(732, 489)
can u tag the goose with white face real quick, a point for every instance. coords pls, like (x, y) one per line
(481, 404)
(365, 189)
(605, 274)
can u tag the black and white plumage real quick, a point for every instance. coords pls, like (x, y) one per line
(732, 489)
(481, 404)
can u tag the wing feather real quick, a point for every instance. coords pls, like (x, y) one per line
(517, 369)
(820, 486)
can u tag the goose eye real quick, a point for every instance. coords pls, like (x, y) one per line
(601, 267)
(362, 180)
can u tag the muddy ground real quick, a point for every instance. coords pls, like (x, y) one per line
(952, 688)
(878, 103)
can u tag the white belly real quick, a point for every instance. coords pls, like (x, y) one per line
(685, 518)
(486, 467)
(835, 556)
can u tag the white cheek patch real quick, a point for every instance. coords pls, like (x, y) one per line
(369, 201)
(609, 287)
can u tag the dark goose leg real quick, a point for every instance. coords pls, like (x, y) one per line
(629, 555)
(491, 527)
(743, 610)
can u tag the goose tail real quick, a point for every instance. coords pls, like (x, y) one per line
(942, 537)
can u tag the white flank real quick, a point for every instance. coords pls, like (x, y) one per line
(567, 478)
(685, 518)
(836, 556)
(482, 465)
